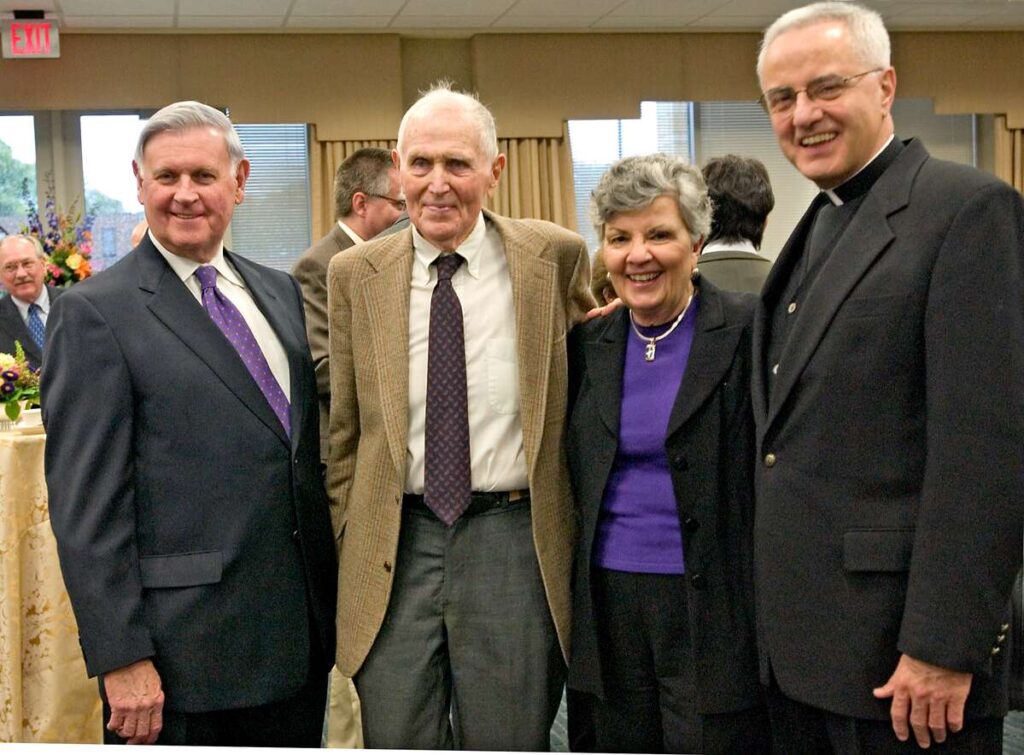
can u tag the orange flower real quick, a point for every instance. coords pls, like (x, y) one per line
(84, 270)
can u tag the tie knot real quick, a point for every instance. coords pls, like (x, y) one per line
(447, 264)
(207, 275)
(34, 308)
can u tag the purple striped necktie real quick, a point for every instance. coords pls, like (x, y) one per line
(447, 477)
(231, 323)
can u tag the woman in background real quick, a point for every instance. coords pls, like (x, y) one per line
(660, 445)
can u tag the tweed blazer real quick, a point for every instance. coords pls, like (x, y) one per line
(311, 272)
(369, 323)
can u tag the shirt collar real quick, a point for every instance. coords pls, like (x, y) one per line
(426, 252)
(356, 238)
(861, 181)
(741, 245)
(184, 267)
(43, 300)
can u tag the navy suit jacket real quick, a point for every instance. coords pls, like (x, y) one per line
(890, 487)
(13, 328)
(190, 528)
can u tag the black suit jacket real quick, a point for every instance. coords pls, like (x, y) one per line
(709, 443)
(890, 480)
(190, 528)
(13, 328)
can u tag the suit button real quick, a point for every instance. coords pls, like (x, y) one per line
(1004, 627)
(996, 650)
(690, 524)
(387, 566)
(680, 461)
(295, 535)
(769, 460)
(1000, 638)
(791, 308)
(698, 581)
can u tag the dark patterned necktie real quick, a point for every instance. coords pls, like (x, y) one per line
(231, 323)
(36, 329)
(447, 477)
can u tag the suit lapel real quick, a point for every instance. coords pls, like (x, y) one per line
(866, 237)
(535, 299)
(175, 306)
(711, 356)
(10, 320)
(386, 295)
(605, 356)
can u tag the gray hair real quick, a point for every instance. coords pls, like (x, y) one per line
(441, 96)
(180, 116)
(36, 243)
(633, 183)
(867, 30)
(365, 170)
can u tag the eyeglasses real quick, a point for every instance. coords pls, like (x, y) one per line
(781, 100)
(398, 204)
(11, 268)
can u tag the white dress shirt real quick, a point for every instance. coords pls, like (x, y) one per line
(356, 238)
(230, 283)
(43, 300)
(484, 289)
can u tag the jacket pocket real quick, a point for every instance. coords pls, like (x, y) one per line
(879, 550)
(181, 569)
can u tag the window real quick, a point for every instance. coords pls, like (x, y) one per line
(703, 130)
(17, 170)
(272, 225)
(108, 148)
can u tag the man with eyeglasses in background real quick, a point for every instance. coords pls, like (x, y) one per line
(367, 200)
(889, 397)
(23, 313)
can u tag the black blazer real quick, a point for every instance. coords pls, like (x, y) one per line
(890, 482)
(13, 328)
(710, 449)
(190, 528)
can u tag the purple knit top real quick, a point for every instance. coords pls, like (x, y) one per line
(638, 527)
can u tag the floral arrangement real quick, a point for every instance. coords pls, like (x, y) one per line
(66, 237)
(19, 383)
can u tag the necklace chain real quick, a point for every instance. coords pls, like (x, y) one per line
(650, 351)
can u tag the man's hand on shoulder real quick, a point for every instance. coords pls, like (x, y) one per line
(136, 702)
(931, 697)
(607, 309)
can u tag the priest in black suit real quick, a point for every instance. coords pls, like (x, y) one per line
(26, 308)
(887, 390)
(182, 463)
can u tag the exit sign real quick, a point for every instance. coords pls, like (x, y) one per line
(30, 38)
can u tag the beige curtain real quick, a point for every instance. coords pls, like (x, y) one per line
(1009, 153)
(536, 183)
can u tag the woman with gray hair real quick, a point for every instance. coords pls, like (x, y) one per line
(660, 445)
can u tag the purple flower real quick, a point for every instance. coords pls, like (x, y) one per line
(7, 389)
(10, 375)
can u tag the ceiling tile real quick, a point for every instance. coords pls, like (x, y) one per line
(7, 6)
(115, 7)
(669, 8)
(713, 22)
(239, 8)
(118, 22)
(563, 8)
(441, 22)
(455, 7)
(338, 22)
(230, 22)
(346, 7)
(544, 22)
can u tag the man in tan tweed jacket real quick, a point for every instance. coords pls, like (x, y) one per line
(455, 635)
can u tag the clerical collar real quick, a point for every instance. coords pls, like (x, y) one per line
(865, 178)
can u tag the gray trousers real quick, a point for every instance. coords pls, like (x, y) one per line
(467, 656)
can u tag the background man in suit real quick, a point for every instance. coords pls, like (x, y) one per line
(367, 200)
(24, 312)
(741, 194)
(186, 495)
(448, 385)
(889, 371)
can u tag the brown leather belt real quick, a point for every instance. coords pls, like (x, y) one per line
(478, 504)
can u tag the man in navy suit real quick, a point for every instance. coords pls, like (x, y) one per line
(182, 463)
(888, 385)
(24, 312)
